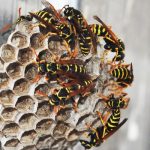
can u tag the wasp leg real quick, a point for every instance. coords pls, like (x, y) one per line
(40, 93)
(88, 126)
(126, 100)
(70, 83)
(34, 53)
(105, 98)
(45, 36)
(36, 79)
(67, 48)
(36, 25)
(92, 129)
(124, 65)
(75, 106)
(74, 53)
(86, 134)
(103, 119)
(56, 109)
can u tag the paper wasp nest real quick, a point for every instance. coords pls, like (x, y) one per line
(26, 121)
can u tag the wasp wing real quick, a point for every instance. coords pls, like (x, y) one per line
(113, 131)
(113, 36)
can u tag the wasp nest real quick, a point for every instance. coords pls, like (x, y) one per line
(27, 121)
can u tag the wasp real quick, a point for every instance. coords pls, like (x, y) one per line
(98, 135)
(72, 89)
(85, 35)
(123, 74)
(112, 42)
(113, 102)
(72, 70)
(49, 19)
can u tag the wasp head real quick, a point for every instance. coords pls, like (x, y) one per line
(69, 12)
(42, 67)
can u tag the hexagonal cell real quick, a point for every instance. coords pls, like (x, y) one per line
(6, 97)
(12, 143)
(28, 137)
(72, 144)
(44, 142)
(44, 126)
(19, 39)
(82, 118)
(25, 55)
(4, 79)
(58, 143)
(99, 106)
(43, 109)
(25, 26)
(86, 119)
(31, 71)
(73, 135)
(9, 113)
(63, 114)
(8, 52)
(60, 129)
(27, 121)
(1, 64)
(30, 147)
(56, 45)
(11, 129)
(45, 55)
(36, 40)
(25, 104)
(21, 86)
(14, 70)
(42, 91)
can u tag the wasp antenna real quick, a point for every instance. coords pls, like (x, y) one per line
(19, 10)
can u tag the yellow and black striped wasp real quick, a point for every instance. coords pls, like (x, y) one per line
(54, 70)
(71, 89)
(100, 134)
(67, 68)
(85, 35)
(52, 21)
(123, 74)
(112, 42)
(112, 102)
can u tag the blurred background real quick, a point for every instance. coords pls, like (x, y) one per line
(130, 20)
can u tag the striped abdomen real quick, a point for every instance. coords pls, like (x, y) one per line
(73, 68)
(57, 68)
(121, 73)
(113, 121)
(46, 17)
(85, 41)
(99, 30)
